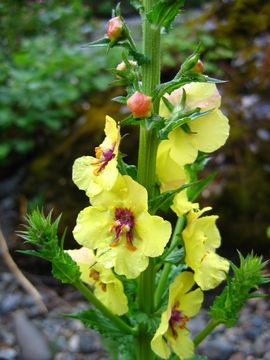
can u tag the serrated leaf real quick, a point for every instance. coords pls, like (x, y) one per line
(164, 12)
(95, 320)
(130, 120)
(65, 269)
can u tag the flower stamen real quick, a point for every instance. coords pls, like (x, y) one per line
(123, 225)
(103, 158)
(177, 319)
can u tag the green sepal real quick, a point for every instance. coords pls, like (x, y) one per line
(130, 120)
(164, 200)
(247, 277)
(103, 42)
(164, 12)
(120, 100)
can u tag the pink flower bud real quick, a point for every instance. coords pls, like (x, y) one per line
(199, 67)
(140, 105)
(115, 28)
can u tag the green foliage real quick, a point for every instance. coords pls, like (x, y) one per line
(45, 72)
(41, 232)
(118, 342)
(164, 12)
(182, 40)
(240, 287)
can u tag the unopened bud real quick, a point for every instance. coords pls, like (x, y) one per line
(115, 28)
(140, 105)
(122, 66)
(199, 67)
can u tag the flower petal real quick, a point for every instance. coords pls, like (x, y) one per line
(158, 344)
(212, 271)
(191, 303)
(181, 204)
(212, 131)
(182, 345)
(182, 149)
(154, 232)
(170, 174)
(92, 228)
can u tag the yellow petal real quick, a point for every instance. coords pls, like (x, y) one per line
(181, 204)
(124, 261)
(202, 95)
(212, 271)
(181, 285)
(191, 303)
(212, 131)
(170, 174)
(182, 345)
(112, 296)
(182, 149)
(92, 227)
(112, 132)
(154, 233)
(158, 344)
(207, 225)
(84, 258)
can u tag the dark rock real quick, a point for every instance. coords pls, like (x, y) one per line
(31, 341)
(88, 342)
(219, 349)
(10, 302)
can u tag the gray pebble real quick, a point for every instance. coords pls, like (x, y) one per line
(219, 349)
(8, 354)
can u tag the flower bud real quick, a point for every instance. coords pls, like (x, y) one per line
(199, 67)
(115, 28)
(122, 66)
(140, 105)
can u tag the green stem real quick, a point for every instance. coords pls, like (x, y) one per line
(167, 267)
(93, 300)
(147, 169)
(206, 331)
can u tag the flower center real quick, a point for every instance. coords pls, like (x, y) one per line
(123, 225)
(177, 319)
(103, 157)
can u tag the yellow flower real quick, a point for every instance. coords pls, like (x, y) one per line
(172, 331)
(171, 176)
(94, 174)
(207, 133)
(119, 226)
(201, 238)
(107, 288)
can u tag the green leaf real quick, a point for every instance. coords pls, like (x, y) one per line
(126, 169)
(195, 191)
(165, 199)
(95, 320)
(175, 257)
(103, 42)
(64, 268)
(130, 120)
(164, 12)
(137, 4)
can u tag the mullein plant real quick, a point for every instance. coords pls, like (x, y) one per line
(143, 279)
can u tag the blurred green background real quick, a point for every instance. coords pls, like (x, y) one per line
(55, 92)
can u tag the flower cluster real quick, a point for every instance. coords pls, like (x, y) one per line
(117, 225)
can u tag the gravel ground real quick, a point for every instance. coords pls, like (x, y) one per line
(27, 334)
